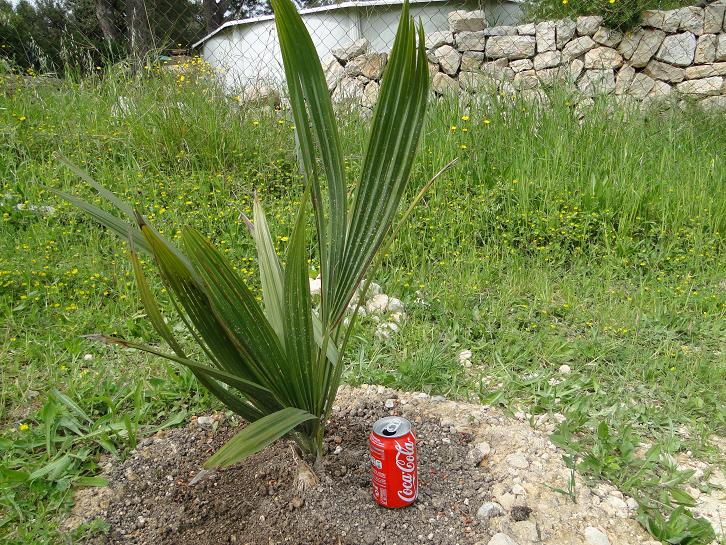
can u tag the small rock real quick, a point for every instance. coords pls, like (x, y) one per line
(205, 421)
(526, 531)
(517, 460)
(477, 454)
(565, 369)
(518, 490)
(595, 536)
(506, 500)
(297, 502)
(87, 357)
(501, 539)
(390, 403)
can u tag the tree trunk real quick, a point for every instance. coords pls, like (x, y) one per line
(214, 13)
(105, 16)
(140, 37)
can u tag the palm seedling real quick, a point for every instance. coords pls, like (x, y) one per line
(279, 365)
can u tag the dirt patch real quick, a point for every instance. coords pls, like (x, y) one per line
(481, 475)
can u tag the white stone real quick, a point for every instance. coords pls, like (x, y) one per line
(521, 64)
(595, 536)
(597, 82)
(663, 20)
(529, 29)
(713, 17)
(578, 47)
(510, 47)
(394, 305)
(639, 46)
(546, 38)
(517, 460)
(526, 79)
(501, 539)
(706, 49)
(565, 30)
(518, 490)
(369, 65)
(574, 70)
(370, 94)
(721, 47)
(87, 357)
(499, 69)
(377, 304)
(444, 84)
(461, 20)
(471, 41)
(448, 58)
(205, 421)
(525, 531)
(565, 369)
(348, 89)
(439, 38)
(603, 57)
(587, 25)
(471, 61)
(640, 87)
(701, 87)
(478, 453)
(315, 285)
(474, 81)
(678, 49)
(352, 50)
(547, 59)
(624, 79)
(691, 19)
(333, 71)
(715, 103)
(465, 355)
(489, 510)
(608, 36)
(390, 404)
(705, 71)
(664, 71)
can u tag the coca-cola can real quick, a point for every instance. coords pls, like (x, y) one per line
(393, 462)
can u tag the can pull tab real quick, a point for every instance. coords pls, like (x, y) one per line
(391, 429)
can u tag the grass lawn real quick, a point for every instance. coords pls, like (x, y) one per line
(595, 244)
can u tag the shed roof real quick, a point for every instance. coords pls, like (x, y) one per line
(334, 7)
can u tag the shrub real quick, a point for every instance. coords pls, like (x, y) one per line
(279, 365)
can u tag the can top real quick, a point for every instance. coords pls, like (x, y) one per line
(392, 426)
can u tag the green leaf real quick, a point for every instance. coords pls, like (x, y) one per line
(256, 436)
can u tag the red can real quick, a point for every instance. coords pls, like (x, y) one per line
(393, 462)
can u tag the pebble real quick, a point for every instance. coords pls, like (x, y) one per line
(88, 357)
(501, 539)
(517, 460)
(205, 421)
(297, 502)
(594, 536)
(518, 490)
(489, 510)
(477, 454)
(565, 369)
(390, 403)
(526, 531)
(506, 500)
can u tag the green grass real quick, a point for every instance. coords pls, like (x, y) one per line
(596, 244)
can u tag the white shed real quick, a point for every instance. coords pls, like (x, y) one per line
(246, 52)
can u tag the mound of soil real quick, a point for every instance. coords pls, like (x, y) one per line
(483, 478)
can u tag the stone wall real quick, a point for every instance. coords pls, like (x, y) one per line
(674, 54)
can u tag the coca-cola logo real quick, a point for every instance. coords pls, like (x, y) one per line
(406, 463)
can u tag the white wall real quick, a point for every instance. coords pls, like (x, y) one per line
(247, 53)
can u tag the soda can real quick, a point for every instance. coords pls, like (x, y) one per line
(393, 462)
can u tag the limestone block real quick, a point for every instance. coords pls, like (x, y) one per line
(471, 61)
(706, 49)
(565, 30)
(721, 47)
(461, 20)
(608, 37)
(691, 19)
(530, 29)
(501, 31)
(444, 84)
(471, 41)
(575, 69)
(526, 80)
(588, 24)
(667, 21)
(548, 59)
(448, 58)
(352, 50)
(577, 47)
(641, 86)
(666, 72)
(370, 94)
(439, 38)
(715, 103)
(706, 70)
(640, 45)
(511, 47)
(546, 36)
(369, 65)
(625, 77)
(603, 57)
(333, 71)
(597, 82)
(701, 87)
(521, 64)
(678, 49)
(713, 17)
